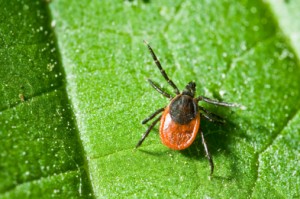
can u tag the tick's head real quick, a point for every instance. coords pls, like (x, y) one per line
(189, 89)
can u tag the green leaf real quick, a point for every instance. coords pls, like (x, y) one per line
(237, 52)
(40, 153)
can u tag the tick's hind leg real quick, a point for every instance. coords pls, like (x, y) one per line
(211, 162)
(212, 117)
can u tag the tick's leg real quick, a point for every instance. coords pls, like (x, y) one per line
(147, 132)
(164, 74)
(153, 115)
(211, 116)
(211, 162)
(215, 102)
(160, 90)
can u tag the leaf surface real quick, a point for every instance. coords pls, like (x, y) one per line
(237, 52)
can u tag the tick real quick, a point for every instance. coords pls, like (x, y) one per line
(180, 119)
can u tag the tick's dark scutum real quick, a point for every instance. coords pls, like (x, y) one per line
(183, 109)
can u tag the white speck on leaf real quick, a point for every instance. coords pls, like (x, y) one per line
(53, 24)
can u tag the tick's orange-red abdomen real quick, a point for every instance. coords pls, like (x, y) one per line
(178, 136)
